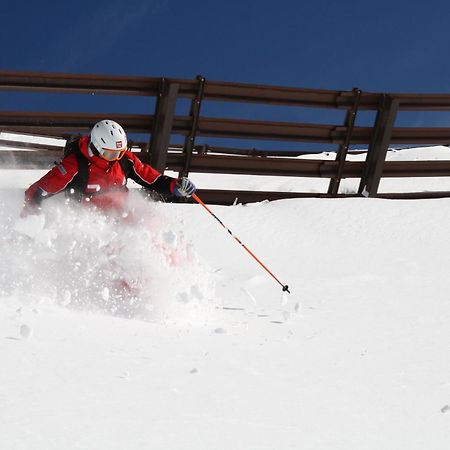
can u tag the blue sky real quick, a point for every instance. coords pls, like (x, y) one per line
(401, 46)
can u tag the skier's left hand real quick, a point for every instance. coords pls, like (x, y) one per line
(184, 187)
(30, 209)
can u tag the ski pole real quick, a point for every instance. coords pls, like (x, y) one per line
(200, 202)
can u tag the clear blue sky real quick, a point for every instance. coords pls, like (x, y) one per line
(377, 45)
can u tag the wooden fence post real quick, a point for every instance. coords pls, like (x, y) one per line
(195, 115)
(378, 147)
(341, 155)
(163, 122)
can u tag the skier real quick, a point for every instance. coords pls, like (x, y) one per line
(95, 170)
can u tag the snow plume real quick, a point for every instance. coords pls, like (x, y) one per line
(135, 265)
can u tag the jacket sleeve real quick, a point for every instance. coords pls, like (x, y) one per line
(56, 180)
(148, 177)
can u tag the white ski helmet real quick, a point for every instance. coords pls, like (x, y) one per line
(108, 138)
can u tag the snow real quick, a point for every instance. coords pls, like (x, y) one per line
(156, 330)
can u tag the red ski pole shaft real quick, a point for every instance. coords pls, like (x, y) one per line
(200, 202)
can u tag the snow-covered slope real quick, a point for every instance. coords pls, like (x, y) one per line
(158, 331)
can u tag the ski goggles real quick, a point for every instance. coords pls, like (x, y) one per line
(108, 153)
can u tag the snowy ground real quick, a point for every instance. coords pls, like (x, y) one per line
(158, 331)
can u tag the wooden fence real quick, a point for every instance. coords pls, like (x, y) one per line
(191, 157)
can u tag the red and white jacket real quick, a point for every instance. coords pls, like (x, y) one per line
(106, 181)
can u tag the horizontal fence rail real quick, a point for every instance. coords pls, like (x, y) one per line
(60, 123)
(190, 157)
(214, 90)
(238, 165)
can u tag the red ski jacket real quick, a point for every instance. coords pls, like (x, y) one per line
(105, 186)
